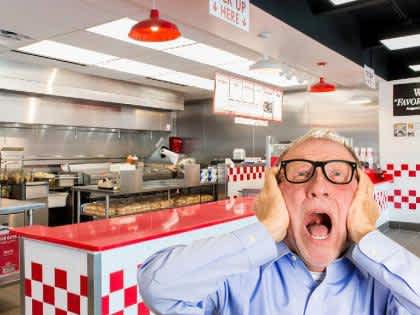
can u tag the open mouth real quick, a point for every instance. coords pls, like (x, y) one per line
(318, 225)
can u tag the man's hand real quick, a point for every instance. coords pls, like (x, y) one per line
(364, 211)
(270, 207)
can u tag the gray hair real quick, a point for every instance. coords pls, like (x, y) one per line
(321, 133)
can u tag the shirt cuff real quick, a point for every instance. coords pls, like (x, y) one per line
(258, 244)
(375, 251)
(373, 246)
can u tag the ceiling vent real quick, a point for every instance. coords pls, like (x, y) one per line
(11, 37)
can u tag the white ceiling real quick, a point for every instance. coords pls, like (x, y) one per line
(66, 20)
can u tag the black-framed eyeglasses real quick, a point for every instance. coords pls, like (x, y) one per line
(299, 171)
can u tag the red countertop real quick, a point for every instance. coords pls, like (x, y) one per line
(117, 232)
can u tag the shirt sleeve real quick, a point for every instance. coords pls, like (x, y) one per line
(190, 279)
(394, 267)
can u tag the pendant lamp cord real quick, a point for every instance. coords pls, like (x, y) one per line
(154, 4)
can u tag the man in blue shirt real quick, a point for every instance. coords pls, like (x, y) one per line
(314, 250)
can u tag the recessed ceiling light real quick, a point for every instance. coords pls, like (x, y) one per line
(339, 2)
(359, 100)
(251, 122)
(402, 42)
(119, 30)
(48, 48)
(415, 67)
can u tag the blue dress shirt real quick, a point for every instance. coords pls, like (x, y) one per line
(246, 273)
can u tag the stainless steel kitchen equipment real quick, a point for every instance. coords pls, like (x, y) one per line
(192, 174)
(149, 186)
(131, 180)
(35, 192)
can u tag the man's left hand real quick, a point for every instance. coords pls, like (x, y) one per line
(364, 211)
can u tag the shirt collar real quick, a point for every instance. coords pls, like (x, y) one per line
(336, 271)
(282, 249)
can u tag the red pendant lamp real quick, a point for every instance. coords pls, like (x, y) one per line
(154, 29)
(322, 86)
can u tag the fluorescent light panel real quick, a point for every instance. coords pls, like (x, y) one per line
(402, 42)
(340, 2)
(134, 67)
(206, 54)
(190, 50)
(51, 49)
(415, 67)
(159, 73)
(119, 30)
(251, 122)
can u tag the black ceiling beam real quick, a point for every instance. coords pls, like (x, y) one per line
(410, 56)
(371, 36)
(327, 8)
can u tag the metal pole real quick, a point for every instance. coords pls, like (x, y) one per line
(107, 206)
(78, 206)
(30, 217)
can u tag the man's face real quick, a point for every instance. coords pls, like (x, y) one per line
(318, 208)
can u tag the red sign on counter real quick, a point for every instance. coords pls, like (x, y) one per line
(9, 252)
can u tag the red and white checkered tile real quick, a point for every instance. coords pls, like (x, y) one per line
(54, 284)
(409, 200)
(123, 298)
(245, 173)
(244, 177)
(403, 170)
(405, 196)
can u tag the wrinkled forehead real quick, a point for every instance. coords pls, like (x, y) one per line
(319, 150)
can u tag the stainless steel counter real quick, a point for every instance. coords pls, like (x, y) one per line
(12, 206)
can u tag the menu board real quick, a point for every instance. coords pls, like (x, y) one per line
(242, 97)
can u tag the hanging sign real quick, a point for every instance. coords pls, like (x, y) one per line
(241, 97)
(370, 78)
(235, 12)
(406, 99)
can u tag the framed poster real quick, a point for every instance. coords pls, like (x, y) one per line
(406, 99)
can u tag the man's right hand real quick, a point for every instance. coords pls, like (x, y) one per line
(270, 207)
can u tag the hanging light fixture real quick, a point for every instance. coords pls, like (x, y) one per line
(322, 86)
(154, 29)
(266, 65)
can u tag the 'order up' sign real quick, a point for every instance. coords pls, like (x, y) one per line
(235, 12)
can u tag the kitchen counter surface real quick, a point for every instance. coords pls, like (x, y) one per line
(11, 206)
(117, 232)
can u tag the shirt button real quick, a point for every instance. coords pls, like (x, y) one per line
(373, 254)
(294, 258)
(252, 239)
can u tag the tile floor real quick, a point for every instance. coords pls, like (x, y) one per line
(9, 296)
